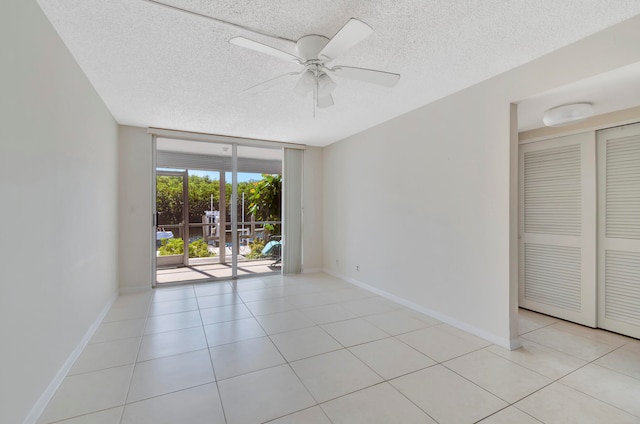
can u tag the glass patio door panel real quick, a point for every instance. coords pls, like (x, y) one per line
(171, 231)
(259, 211)
(204, 191)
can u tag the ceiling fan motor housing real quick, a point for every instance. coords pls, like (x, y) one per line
(309, 46)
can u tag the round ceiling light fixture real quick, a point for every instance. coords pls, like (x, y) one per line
(567, 114)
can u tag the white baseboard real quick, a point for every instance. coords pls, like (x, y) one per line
(312, 270)
(500, 341)
(48, 393)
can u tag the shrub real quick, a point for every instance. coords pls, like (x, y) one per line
(199, 249)
(175, 246)
(172, 246)
(256, 249)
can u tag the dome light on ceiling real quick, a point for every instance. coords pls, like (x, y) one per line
(567, 114)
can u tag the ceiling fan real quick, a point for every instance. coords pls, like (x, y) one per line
(315, 53)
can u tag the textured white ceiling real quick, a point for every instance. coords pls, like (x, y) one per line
(157, 67)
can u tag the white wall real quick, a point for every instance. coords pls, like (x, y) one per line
(134, 209)
(58, 163)
(312, 215)
(423, 203)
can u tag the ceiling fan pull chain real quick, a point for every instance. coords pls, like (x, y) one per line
(315, 96)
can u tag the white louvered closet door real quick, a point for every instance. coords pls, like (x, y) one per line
(619, 229)
(558, 228)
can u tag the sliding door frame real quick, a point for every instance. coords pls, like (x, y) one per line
(234, 142)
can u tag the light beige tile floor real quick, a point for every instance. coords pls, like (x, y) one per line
(313, 349)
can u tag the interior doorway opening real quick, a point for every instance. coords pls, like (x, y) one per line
(579, 237)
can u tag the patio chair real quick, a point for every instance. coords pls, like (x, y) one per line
(273, 249)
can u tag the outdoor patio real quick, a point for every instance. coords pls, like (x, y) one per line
(215, 271)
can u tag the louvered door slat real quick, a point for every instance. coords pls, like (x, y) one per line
(552, 198)
(622, 187)
(622, 287)
(552, 225)
(619, 229)
(552, 275)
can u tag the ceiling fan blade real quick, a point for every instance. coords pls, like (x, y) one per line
(325, 101)
(349, 35)
(263, 48)
(269, 83)
(387, 79)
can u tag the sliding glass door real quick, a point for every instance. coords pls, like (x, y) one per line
(259, 211)
(171, 207)
(218, 209)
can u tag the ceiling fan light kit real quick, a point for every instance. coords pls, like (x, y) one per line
(305, 83)
(325, 85)
(314, 53)
(567, 114)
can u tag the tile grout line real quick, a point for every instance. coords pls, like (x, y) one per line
(301, 309)
(509, 404)
(213, 369)
(507, 407)
(347, 348)
(136, 362)
(323, 353)
(285, 359)
(384, 380)
(133, 370)
(557, 380)
(593, 397)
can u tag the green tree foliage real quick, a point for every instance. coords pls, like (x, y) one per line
(198, 249)
(200, 191)
(173, 246)
(266, 201)
(266, 198)
(169, 199)
(256, 247)
(264, 194)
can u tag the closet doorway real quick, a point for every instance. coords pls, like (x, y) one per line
(579, 228)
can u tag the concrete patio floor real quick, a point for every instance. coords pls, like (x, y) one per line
(215, 271)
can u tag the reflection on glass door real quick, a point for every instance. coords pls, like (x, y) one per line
(206, 217)
(207, 228)
(171, 232)
(260, 223)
